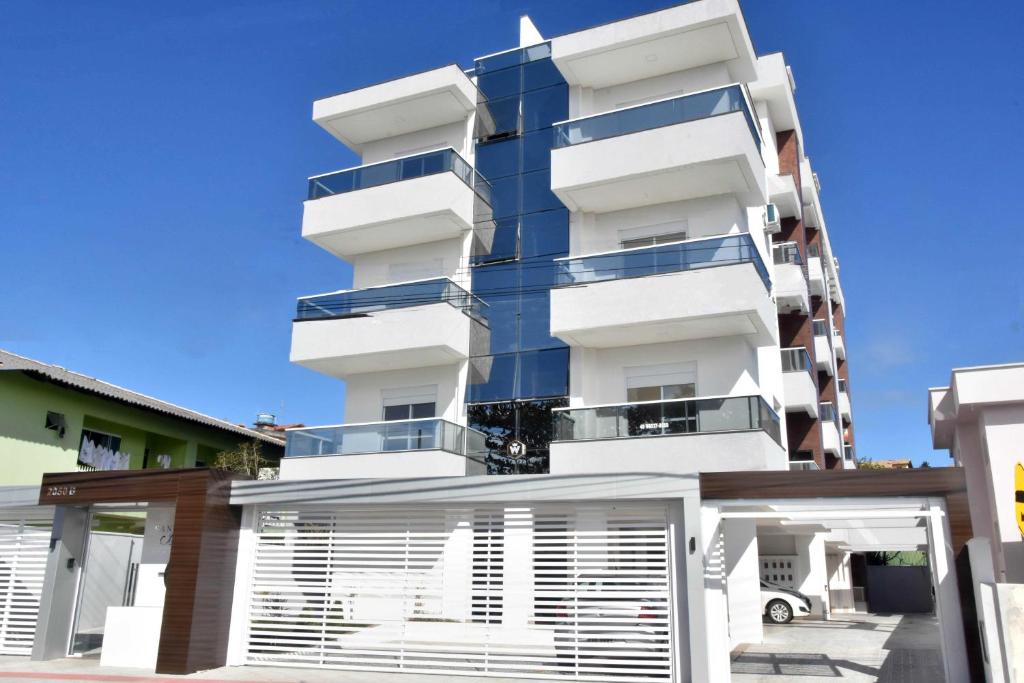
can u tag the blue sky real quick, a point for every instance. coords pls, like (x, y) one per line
(153, 161)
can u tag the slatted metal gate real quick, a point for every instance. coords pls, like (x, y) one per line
(550, 591)
(24, 545)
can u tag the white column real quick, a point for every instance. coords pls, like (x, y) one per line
(705, 569)
(810, 550)
(947, 597)
(743, 587)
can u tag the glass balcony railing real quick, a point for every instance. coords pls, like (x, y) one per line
(683, 109)
(666, 418)
(843, 388)
(796, 359)
(820, 328)
(802, 465)
(394, 170)
(667, 258)
(363, 301)
(827, 412)
(848, 452)
(786, 252)
(430, 434)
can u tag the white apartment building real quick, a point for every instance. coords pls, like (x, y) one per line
(595, 320)
(586, 270)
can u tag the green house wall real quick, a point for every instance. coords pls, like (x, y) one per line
(28, 449)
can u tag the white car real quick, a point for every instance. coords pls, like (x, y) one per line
(781, 604)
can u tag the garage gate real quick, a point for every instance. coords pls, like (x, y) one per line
(549, 591)
(24, 545)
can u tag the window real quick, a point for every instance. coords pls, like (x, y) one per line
(820, 328)
(101, 451)
(664, 392)
(652, 235)
(802, 456)
(813, 250)
(402, 405)
(661, 382)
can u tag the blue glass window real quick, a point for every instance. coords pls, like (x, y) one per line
(492, 378)
(541, 74)
(545, 234)
(543, 373)
(537, 194)
(497, 84)
(543, 107)
(535, 322)
(537, 149)
(496, 160)
(498, 116)
(505, 196)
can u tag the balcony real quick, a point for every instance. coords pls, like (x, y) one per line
(429, 447)
(803, 466)
(839, 344)
(798, 387)
(711, 287)
(823, 347)
(816, 276)
(782, 192)
(692, 146)
(405, 105)
(830, 439)
(689, 35)
(410, 325)
(844, 401)
(681, 435)
(790, 280)
(396, 203)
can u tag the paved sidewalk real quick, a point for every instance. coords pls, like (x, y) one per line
(849, 647)
(81, 670)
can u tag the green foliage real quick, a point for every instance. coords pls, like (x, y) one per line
(246, 458)
(902, 558)
(869, 464)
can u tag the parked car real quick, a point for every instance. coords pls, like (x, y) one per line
(779, 604)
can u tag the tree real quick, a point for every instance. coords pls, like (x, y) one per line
(246, 458)
(869, 464)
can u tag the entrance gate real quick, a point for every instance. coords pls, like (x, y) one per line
(24, 542)
(549, 590)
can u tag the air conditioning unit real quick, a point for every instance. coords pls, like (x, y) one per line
(771, 219)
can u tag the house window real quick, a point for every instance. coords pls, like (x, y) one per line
(101, 451)
(665, 384)
(653, 240)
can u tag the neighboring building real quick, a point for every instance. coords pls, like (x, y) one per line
(893, 464)
(558, 255)
(56, 420)
(979, 419)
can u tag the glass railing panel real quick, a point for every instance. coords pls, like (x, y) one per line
(394, 170)
(800, 465)
(660, 259)
(362, 301)
(378, 437)
(796, 359)
(661, 418)
(820, 328)
(656, 115)
(827, 412)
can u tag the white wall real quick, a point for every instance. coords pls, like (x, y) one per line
(813, 574)
(454, 135)
(433, 259)
(364, 397)
(726, 366)
(1003, 431)
(703, 217)
(650, 89)
(743, 588)
(776, 544)
(840, 582)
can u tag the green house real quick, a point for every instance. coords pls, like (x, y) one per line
(56, 420)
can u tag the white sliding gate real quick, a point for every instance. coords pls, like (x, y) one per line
(24, 545)
(575, 591)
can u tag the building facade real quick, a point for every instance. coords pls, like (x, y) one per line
(571, 248)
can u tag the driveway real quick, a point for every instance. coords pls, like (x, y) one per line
(849, 647)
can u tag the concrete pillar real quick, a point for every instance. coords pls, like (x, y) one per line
(709, 626)
(678, 541)
(947, 595)
(813, 572)
(743, 584)
(60, 581)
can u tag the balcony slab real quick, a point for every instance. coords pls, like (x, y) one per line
(695, 304)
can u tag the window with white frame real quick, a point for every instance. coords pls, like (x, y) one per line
(403, 405)
(652, 235)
